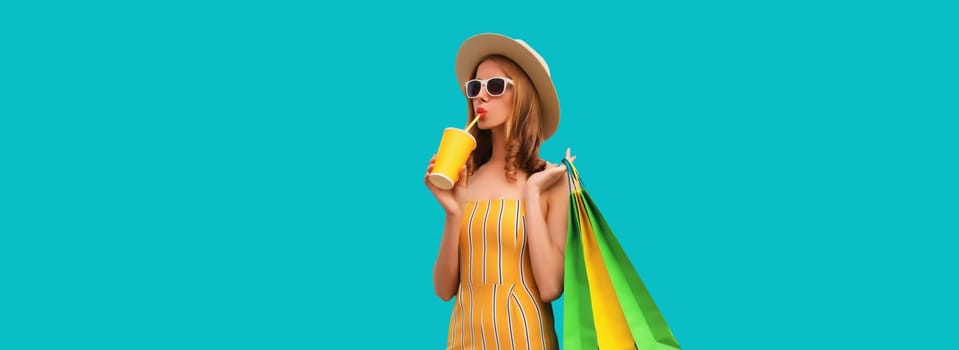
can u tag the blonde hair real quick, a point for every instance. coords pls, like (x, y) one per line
(524, 127)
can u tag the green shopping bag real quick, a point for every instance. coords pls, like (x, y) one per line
(606, 305)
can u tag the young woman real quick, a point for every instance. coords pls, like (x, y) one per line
(502, 248)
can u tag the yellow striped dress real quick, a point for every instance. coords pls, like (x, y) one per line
(497, 305)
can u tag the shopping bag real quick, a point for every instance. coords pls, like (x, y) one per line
(605, 303)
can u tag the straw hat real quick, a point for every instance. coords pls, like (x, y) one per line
(482, 45)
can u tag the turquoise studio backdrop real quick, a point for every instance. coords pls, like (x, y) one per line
(249, 175)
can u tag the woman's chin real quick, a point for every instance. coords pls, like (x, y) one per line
(485, 126)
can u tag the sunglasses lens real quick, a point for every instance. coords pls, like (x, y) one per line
(473, 88)
(496, 86)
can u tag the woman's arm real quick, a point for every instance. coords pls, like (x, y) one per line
(547, 236)
(446, 271)
(446, 276)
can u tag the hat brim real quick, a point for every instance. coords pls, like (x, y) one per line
(479, 46)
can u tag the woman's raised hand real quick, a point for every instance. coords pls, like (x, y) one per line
(447, 198)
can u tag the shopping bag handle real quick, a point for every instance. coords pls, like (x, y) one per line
(575, 183)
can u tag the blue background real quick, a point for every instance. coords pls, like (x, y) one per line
(244, 174)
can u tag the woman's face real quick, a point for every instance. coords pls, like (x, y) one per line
(495, 109)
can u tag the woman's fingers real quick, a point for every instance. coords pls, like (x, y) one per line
(568, 155)
(429, 169)
(429, 166)
(462, 180)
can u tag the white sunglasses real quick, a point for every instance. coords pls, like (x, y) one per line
(495, 86)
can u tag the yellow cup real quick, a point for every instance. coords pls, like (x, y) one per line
(455, 148)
